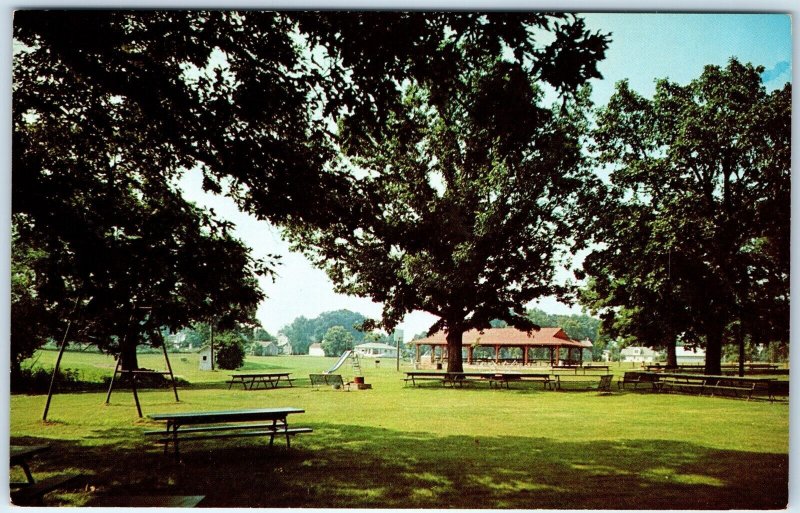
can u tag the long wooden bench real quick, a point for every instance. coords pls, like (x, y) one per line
(777, 388)
(637, 378)
(732, 389)
(413, 379)
(461, 380)
(232, 431)
(686, 384)
(33, 494)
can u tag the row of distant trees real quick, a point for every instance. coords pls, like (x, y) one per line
(442, 162)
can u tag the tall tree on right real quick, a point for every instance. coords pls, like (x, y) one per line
(696, 214)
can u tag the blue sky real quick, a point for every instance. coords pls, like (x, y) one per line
(645, 47)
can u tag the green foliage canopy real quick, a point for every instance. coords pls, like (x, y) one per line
(229, 350)
(336, 341)
(459, 203)
(696, 219)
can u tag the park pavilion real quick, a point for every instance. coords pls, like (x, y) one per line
(507, 345)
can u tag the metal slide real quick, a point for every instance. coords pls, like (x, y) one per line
(338, 364)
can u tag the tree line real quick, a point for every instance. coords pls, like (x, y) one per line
(443, 162)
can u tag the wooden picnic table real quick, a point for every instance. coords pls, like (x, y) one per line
(254, 380)
(505, 378)
(498, 378)
(724, 384)
(19, 455)
(225, 424)
(32, 491)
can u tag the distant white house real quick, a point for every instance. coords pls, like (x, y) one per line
(376, 350)
(315, 350)
(684, 356)
(638, 354)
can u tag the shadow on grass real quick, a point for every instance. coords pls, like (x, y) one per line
(346, 466)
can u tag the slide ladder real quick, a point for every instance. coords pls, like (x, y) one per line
(356, 363)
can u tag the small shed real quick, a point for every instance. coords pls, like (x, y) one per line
(316, 350)
(204, 357)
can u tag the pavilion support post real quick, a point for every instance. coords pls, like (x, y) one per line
(416, 353)
(525, 356)
(469, 355)
(496, 354)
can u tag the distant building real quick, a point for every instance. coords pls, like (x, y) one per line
(315, 350)
(376, 350)
(177, 339)
(685, 356)
(638, 354)
(205, 358)
(266, 348)
(283, 344)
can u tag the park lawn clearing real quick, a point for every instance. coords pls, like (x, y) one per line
(429, 447)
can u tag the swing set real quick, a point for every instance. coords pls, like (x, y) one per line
(131, 375)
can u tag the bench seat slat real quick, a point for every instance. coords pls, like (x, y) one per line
(212, 428)
(265, 432)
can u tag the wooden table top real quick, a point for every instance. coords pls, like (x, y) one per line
(202, 417)
(22, 452)
(260, 375)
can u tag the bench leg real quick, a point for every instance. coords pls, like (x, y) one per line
(27, 471)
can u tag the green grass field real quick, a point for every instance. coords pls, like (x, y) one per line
(424, 447)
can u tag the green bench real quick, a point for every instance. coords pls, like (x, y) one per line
(332, 380)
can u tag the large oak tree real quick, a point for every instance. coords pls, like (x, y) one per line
(459, 203)
(705, 167)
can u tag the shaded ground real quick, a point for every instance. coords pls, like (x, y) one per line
(346, 466)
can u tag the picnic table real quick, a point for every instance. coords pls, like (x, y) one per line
(184, 426)
(255, 380)
(505, 378)
(713, 384)
(498, 378)
(32, 491)
(582, 382)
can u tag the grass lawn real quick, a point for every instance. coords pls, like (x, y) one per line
(424, 447)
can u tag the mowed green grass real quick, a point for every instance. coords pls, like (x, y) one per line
(424, 447)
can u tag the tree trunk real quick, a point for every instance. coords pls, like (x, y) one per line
(454, 360)
(740, 342)
(714, 352)
(127, 353)
(672, 358)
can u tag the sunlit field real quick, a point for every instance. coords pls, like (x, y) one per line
(406, 447)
